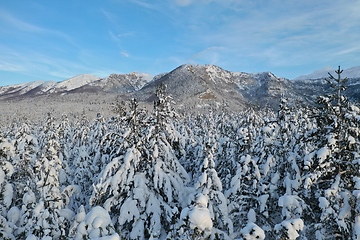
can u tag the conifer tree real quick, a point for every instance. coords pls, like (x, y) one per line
(7, 222)
(141, 188)
(332, 168)
(49, 202)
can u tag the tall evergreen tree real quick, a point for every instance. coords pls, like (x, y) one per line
(333, 166)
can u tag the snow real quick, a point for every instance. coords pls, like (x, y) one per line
(308, 160)
(202, 201)
(323, 203)
(291, 206)
(67, 214)
(2, 176)
(252, 232)
(345, 211)
(356, 180)
(216, 73)
(262, 200)
(96, 225)
(357, 228)
(128, 211)
(75, 82)
(356, 193)
(31, 237)
(29, 197)
(291, 227)
(351, 140)
(353, 72)
(14, 214)
(251, 216)
(25, 87)
(322, 154)
(140, 187)
(199, 217)
(198, 214)
(321, 73)
(8, 195)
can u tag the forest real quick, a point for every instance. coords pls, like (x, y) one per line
(162, 174)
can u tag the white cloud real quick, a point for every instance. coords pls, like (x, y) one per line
(209, 55)
(183, 3)
(109, 16)
(18, 23)
(144, 4)
(10, 67)
(125, 54)
(13, 22)
(36, 65)
(285, 31)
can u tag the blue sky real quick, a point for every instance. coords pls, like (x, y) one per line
(55, 40)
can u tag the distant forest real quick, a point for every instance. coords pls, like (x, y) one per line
(160, 174)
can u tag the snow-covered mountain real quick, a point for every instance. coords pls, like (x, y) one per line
(82, 83)
(353, 72)
(198, 86)
(74, 83)
(47, 87)
(122, 83)
(192, 87)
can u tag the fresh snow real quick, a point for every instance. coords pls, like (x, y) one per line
(75, 82)
(353, 72)
(96, 225)
(252, 232)
(148, 175)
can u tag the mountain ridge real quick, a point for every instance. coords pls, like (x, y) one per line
(353, 72)
(192, 87)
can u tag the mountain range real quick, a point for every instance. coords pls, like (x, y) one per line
(192, 87)
(353, 72)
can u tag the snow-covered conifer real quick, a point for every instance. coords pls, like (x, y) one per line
(195, 220)
(7, 226)
(209, 185)
(141, 188)
(94, 225)
(48, 200)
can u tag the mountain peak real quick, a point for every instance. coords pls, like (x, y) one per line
(77, 81)
(192, 86)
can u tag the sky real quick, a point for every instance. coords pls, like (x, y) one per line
(55, 40)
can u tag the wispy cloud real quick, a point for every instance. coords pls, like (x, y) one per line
(228, 3)
(38, 65)
(209, 55)
(15, 23)
(10, 67)
(126, 34)
(125, 54)
(141, 34)
(144, 4)
(284, 32)
(18, 23)
(109, 16)
(183, 3)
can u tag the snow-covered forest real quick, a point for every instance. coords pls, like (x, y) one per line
(290, 174)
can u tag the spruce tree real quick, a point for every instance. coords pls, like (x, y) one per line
(333, 168)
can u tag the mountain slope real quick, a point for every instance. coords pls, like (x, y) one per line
(200, 86)
(193, 87)
(122, 83)
(74, 83)
(353, 72)
(115, 83)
